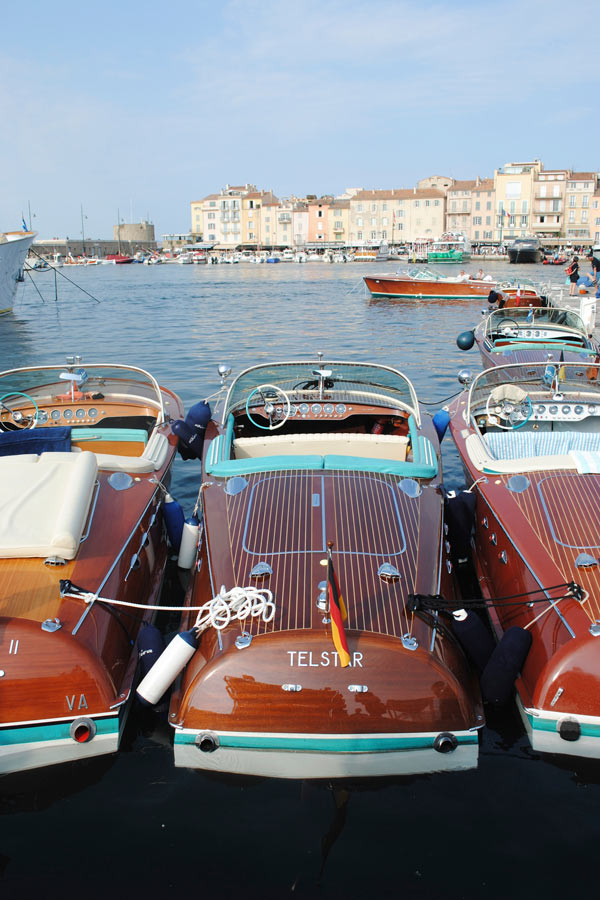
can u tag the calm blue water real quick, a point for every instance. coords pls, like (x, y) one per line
(134, 823)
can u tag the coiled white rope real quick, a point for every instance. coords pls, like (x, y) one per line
(237, 603)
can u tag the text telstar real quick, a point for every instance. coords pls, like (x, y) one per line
(305, 658)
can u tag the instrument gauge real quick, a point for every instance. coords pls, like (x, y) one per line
(304, 408)
(540, 410)
(316, 409)
(42, 416)
(340, 409)
(80, 413)
(591, 409)
(553, 410)
(566, 410)
(578, 410)
(55, 414)
(68, 414)
(293, 409)
(328, 409)
(92, 412)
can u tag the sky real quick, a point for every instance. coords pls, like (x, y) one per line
(136, 109)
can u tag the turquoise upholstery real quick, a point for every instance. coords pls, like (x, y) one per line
(228, 467)
(380, 466)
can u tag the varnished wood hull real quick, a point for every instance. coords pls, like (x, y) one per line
(283, 706)
(68, 665)
(529, 541)
(421, 289)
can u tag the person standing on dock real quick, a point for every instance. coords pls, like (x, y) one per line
(572, 271)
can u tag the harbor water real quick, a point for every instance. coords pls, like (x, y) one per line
(132, 823)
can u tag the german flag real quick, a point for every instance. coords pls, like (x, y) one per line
(337, 612)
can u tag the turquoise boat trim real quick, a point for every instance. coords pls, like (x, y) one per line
(588, 729)
(57, 731)
(249, 466)
(537, 345)
(380, 466)
(330, 745)
(110, 434)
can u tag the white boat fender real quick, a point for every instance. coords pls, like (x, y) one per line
(168, 666)
(174, 521)
(504, 665)
(150, 645)
(189, 542)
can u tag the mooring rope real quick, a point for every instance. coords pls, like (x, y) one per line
(574, 591)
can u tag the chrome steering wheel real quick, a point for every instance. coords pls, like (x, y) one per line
(18, 418)
(269, 406)
(508, 327)
(515, 410)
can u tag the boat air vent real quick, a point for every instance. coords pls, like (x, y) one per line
(207, 742)
(586, 559)
(445, 742)
(55, 561)
(120, 481)
(51, 625)
(82, 730)
(358, 688)
(409, 642)
(261, 570)
(235, 485)
(517, 484)
(243, 640)
(387, 572)
(503, 557)
(293, 688)
(410, 487)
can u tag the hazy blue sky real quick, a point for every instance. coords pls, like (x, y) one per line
(143, 107)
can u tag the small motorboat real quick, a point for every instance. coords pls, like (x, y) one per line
(85, 455)
(525, 250)
(529, 439)
(425, 284)
(526, 334)
(322, 518)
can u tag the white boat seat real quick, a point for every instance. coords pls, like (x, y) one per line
(44, 503)
(378, 446)
(153, 457)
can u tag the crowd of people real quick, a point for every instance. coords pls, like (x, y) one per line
(579, 283)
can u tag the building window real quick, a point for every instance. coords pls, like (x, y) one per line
(320, 213)
(436, 202)
(584, 216)
(359, 207)
(211, 215)
(338, 226)
(373, 235)
(477, 220)
(359, 235)
(477, 204)
(476, 235)
(417, 202)
(384, 235)
(427, 203)
(212, 237)
(585, 200)
(523, 221)
(373, 221)
(213, 203)
(359, 222)
(571, 215)
(572, 200)
(488, 220)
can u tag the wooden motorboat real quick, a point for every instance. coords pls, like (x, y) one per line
(322, 480)
(529, 439)
(85, 456)
(533, 334)
(424, 284)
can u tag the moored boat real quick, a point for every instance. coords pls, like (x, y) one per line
(525, 250)
(526, 334)
(85, 455)
(529, 439)
(425, 284)
(320, 497)
(451, 247)
(14, 246)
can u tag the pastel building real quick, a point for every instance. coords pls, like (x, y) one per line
(514, 185)
(580, 214)
(318, 220)
(396, 216)
(548, 212)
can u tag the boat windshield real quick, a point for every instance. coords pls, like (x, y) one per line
(346, 382)
(532, 316)
(44, 382)
(544, 381)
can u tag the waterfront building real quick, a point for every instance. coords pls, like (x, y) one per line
(338, 221)
(396, 216)
(139, 233)
(459, 207)
(217, 218)
(580, 195)
(595, 218)
(318, 220)
(514, 187)
(483, 217)
(548, 211)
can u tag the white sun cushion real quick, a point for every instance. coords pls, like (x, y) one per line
(381, 446)
(44, 502)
